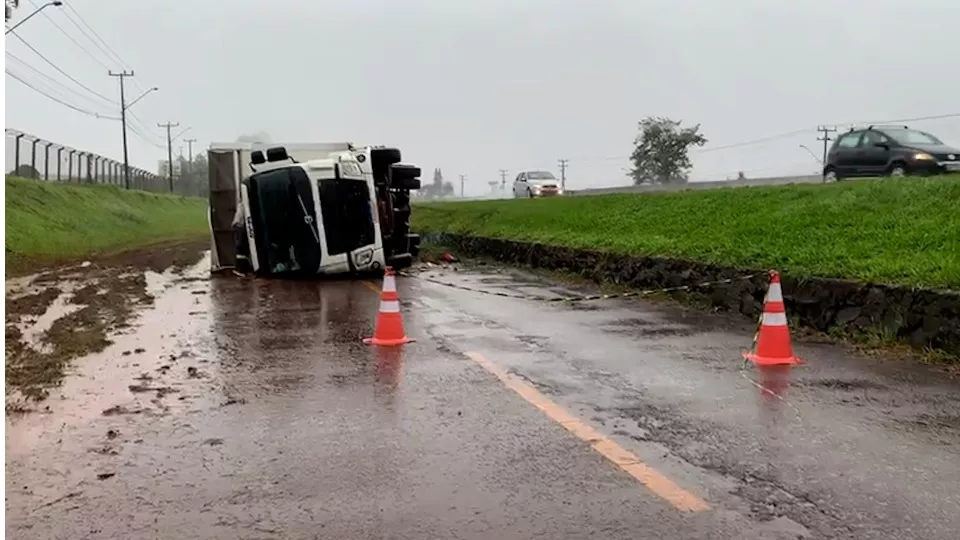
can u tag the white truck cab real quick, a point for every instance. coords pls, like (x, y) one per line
(332, 209)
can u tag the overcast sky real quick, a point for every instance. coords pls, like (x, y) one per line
(473, 86)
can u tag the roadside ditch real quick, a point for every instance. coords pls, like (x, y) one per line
(873, 313)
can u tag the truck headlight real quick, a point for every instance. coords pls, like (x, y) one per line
(364, 257)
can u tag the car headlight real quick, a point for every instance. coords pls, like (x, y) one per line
(536, 189)
(922, 156)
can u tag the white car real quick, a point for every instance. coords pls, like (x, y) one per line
(530, 184)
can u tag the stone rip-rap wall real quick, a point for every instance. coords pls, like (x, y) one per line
(923, 318)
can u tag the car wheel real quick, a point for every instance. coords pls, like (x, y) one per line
(529, 193)
(830, 176)
(897, 170)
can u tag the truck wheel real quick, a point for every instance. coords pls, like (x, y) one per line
(400, 261)
(409, 184)
(413, 243)
(385, 156)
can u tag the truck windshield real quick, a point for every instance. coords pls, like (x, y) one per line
(347, 214)
(282, 212)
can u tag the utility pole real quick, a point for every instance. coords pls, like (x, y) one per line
(169, 125)
(123, 122)
(190, 148)
(825, 132)
(503, 179)
(563, 173)
(462, 179)
(190, 177)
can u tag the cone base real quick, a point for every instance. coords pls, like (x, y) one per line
(387, 342)
(764, 361)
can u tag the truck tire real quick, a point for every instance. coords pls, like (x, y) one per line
(409, 184)
(413, 243)
(404, 176)
(400, 261)
(385, 156)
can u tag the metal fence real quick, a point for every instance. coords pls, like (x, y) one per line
(29, 156)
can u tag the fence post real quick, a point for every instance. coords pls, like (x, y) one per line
(59, 161)
(16, 152)
(33, 158)
(70, 165)
(80, 158)
(46, 162)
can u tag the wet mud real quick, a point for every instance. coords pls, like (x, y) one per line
(58, 315)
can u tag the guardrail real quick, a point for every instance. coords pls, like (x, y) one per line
(40, 159)
(644, 188)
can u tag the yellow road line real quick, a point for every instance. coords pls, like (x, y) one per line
(648, 476)
(659, 484)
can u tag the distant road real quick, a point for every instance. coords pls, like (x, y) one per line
(768, 181)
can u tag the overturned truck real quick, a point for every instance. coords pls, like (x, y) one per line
(310, 208)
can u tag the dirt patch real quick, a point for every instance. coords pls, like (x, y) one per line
(106, 294)
(156, 257)
(32, 304)
(860, 311)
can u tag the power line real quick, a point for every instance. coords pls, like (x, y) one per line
(64, 73)
(105, 48)
(793, 133)
(138, 131)
(71, 38)
(53, 98)
(59, 85)
(146, 134)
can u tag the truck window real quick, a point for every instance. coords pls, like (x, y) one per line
(347, 215)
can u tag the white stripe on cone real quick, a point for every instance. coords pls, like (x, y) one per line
(774, 319)
(389, 306)
(774, 293)
(389, 284)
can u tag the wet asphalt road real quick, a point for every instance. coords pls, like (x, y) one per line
(255, 411)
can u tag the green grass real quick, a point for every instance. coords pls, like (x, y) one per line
(890, 231)
(51, 223)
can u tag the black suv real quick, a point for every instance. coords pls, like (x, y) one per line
(888, 151)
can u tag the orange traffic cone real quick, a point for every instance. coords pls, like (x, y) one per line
(389, 331)
(773, 341)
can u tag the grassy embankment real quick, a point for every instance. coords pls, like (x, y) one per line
(887, 231)
(48, 223)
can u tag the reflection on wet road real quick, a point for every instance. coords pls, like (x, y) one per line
(255, 411)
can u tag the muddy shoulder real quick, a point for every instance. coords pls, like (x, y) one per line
(56, 315)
